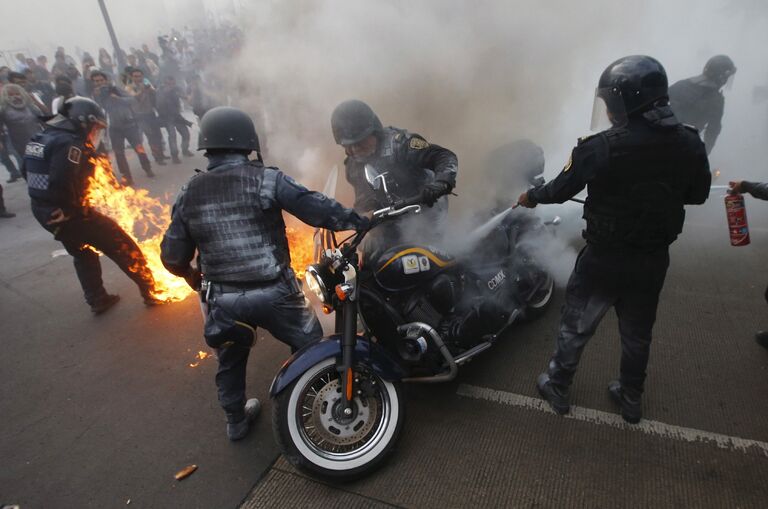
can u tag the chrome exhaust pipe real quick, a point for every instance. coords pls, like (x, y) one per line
(420, 327)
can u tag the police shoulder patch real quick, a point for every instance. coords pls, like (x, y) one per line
(418, 143)
(75, 154)
(35, 150)
(569, 163)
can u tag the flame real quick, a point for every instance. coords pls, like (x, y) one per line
(302, 245)
(201, 355)
(143, 217)
(717, 173)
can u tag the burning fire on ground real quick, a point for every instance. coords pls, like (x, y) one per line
(145, 219)
(201, 355)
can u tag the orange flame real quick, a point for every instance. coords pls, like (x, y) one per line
(201, 355)
(302, 246)
(143, 217)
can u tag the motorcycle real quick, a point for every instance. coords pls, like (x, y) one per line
(408, 313)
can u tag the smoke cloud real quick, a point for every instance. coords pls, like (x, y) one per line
(470, 76)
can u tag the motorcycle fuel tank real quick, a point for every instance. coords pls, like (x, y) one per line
(404, 267)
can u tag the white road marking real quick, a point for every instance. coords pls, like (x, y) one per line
(660, 429)
(59, 252)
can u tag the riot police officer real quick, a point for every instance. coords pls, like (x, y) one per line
(699, 101)
(232, 215)
(639, 174)
(412, 165)
(57, 166)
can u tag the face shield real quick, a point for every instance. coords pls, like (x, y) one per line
(607, 110)
(729, 83)
(95, 134)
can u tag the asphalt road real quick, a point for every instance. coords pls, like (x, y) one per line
(102, 411)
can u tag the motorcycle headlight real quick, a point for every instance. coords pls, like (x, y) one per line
(316, 285)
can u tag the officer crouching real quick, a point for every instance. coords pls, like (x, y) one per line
(232, 215)
(640, 173)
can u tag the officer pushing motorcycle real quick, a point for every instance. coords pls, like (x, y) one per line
(231, 215)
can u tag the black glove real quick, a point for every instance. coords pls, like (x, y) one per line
(194, 279)
(433, 191)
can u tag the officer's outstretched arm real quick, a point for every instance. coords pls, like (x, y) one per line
(714, 126)
(315, 208)
(758, 190)
(587, 159)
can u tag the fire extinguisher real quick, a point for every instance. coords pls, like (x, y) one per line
(737, 219)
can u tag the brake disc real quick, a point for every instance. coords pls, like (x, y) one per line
(330, 424)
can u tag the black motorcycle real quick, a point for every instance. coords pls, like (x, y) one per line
(408, 313)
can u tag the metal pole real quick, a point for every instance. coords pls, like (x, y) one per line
(115, 44)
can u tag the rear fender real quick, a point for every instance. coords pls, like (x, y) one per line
(370, 354)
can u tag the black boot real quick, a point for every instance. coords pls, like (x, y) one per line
(631, 407)
(238, 430)
(762, 338)
(102, 304)
(4, 213)
(555, 395)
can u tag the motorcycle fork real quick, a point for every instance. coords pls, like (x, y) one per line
(348, 340)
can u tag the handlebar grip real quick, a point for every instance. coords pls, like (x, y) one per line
(414, 200)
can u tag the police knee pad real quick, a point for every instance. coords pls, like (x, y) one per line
(222, 330)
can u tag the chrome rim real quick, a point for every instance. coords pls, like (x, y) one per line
(325, 429)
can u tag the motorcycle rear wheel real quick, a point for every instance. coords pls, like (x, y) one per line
(314, 435)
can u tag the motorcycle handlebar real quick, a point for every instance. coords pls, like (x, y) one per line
(407, 202)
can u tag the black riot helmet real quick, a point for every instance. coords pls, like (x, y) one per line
(719, 69)
(226, 128)
(629, 85)
(85, 115)
(352, 121)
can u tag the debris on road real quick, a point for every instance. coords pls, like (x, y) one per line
(185, 472)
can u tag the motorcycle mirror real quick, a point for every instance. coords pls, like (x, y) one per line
(383, 179)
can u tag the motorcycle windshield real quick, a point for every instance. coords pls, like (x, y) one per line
(321, 237)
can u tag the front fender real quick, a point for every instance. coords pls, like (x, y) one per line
(371, 354)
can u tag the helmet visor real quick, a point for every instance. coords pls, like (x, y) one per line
(729, 84)
(607, 110)
(95, 135)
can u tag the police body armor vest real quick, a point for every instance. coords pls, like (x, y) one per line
(638, 203)
(38, 156)
(237, 238)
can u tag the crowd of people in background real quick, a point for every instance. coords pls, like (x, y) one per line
(145, 97)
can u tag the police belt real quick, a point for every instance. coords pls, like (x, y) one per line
(241, 286)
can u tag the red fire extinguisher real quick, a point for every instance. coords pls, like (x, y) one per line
(737, 219)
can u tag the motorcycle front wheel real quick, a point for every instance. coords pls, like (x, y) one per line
(317, 437)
